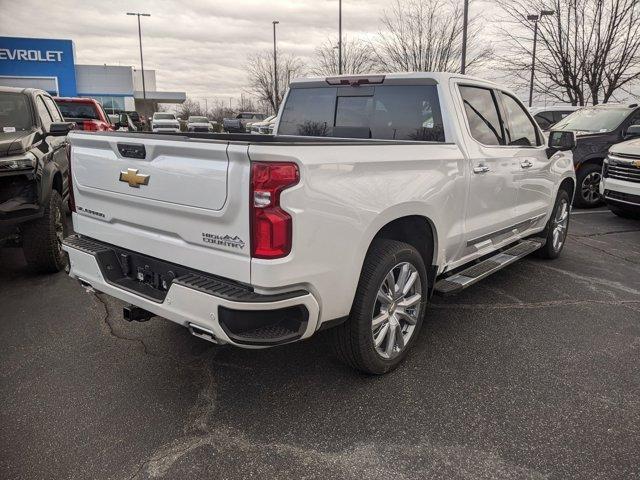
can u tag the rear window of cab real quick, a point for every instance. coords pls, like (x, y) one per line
(86, 111)
(385, 112)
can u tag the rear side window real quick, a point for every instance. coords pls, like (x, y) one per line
(482, 115)
(72, 110)
(386, 112)
(545, 119)
(519, 129)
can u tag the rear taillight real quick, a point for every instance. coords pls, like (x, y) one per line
(271, 226)
(95, 126)
(72, 200)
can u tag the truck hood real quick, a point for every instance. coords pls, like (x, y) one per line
(15, 143)
(630, 147)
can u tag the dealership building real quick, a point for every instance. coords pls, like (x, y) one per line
(49, 64)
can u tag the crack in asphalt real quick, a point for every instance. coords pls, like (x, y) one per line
(606, 252)
(601, 234)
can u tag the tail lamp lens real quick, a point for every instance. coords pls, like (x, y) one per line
(72, 200)
(271, 226)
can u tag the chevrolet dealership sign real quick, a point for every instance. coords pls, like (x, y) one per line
(31, 55)
(37, 61)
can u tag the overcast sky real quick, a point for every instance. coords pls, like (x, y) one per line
(197, 46)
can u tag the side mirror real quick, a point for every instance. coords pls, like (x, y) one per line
(560, 141)
(632, 132)
(60, 129)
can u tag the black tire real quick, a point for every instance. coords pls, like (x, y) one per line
(623, 212)
(354, 339)
(42, 238)
(552, 248)
(587, 192)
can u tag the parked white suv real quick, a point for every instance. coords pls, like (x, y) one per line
(164, 122)
(374, 192)
(620, 184)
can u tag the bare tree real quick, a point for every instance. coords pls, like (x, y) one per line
(587, 51)
(261, 78)
(426, 35)
(190, 108)
(357, 57)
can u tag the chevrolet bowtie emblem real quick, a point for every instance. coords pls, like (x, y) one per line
(636, 163)
(133, 178)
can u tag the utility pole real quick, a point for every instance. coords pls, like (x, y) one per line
(275, 68)
(339, 37)
(144, 88)
(535, 19)
(465, 25)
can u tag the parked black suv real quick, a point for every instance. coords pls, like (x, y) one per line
(33, 176)
(597, 128)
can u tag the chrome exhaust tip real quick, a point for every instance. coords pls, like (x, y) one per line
(203, 333)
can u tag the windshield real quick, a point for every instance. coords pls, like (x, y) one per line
(593, 119)
(78, 110)
(198, 120)
(15, 113)
(164, 116)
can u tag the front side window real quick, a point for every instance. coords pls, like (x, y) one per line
(519, 129)
(482, 115)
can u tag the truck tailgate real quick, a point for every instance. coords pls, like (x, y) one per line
(169, 197)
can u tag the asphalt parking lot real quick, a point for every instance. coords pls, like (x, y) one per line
(534, 373)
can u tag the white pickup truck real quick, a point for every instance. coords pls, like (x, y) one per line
(375, 192)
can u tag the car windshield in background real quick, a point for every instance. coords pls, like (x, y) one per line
(15, 114)
(198, 120)
(87, 111)
(594, 119)
(164, 116)
(390, 112)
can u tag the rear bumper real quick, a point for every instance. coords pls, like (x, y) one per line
(234, 313)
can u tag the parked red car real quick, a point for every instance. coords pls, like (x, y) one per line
(87, 113)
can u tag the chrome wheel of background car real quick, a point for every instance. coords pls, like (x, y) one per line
(396, 310)
(560, 224)
(58, 224)
(590, 187)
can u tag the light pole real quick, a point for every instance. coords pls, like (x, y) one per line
(465, 24)
(144, 89)
(535, 19)
(339, 37)
(275, 68)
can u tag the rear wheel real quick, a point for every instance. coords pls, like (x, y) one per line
(588, 192)
(388, 309)
(42, 238)
(557, 227)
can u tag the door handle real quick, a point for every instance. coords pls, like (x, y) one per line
(481, 169)
(526, 164)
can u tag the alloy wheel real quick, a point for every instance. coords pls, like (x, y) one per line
(560, 224)
(396, 310)
(590, 188)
